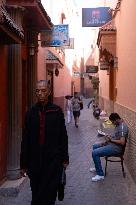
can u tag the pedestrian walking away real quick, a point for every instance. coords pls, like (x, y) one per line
(76, 108)
(44, 147)
(112, 146)
(90, 102)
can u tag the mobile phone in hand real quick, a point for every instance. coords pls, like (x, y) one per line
(107, 137)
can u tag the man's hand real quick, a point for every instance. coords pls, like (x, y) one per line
(108, 138)
(65, 164)
(23, 172)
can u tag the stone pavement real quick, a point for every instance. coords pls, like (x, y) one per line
(80, 190)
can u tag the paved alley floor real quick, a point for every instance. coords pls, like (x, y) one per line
(80, 190)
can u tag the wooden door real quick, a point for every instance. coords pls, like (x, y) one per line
(112, 84)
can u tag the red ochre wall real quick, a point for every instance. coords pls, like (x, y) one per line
(3, 110)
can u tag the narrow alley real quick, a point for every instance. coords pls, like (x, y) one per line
(51, 53)
(80, 190)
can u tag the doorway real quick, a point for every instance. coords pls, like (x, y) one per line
(50, 80)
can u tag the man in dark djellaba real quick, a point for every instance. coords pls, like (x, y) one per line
(44, 147)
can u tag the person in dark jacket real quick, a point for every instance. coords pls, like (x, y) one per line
(44, 147)
(96, 111)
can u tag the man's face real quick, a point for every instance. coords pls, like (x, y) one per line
(115, 122)
(42, 92)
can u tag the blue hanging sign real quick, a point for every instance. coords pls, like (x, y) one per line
(57, 37)
(95, 17)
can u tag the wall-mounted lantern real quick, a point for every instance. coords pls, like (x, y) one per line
(31, 50)
(57, 72)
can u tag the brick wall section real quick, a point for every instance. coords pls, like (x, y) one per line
(129, 117)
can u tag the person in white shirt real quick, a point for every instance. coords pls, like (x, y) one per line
(68, 108)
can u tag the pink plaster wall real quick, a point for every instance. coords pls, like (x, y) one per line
(88, 90)
(104, 84)
(77, 83)
(62, 83)
(126, 52)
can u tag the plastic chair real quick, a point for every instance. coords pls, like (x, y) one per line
(117, 158)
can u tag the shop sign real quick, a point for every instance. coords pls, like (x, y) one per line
(95, 17)
(56, 37)
(76, 74)
(71, 44)
(91, 69)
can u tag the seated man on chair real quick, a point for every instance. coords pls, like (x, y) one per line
(113, 145)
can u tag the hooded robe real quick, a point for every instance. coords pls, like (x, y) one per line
(44, 149)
